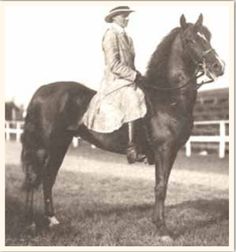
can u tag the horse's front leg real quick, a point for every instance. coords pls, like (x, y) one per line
(164, 159)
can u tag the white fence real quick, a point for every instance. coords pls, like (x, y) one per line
(222, 138)
(15, 128)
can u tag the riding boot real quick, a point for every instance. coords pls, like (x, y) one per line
(131, 149)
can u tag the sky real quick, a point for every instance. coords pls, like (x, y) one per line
(46, 42)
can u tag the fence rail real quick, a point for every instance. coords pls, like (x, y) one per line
(222, 138)
(13, 128)
(16, 128)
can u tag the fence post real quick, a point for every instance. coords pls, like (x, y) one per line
(7, 126)
(18, 131)
(222, 140)
(188, 148)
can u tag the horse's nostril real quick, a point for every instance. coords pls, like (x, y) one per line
(216, 66)
(218, 69)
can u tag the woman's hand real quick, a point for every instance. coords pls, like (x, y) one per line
(139, 80)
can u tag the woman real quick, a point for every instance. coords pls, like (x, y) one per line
(119, 99)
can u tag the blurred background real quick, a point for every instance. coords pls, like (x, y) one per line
(60, 41)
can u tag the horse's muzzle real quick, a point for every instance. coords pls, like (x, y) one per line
(216, 68)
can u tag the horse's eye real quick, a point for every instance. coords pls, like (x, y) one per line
(205, 42)
(190, 41)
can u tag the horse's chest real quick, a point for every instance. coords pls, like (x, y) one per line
(167, 128)
(184, 130)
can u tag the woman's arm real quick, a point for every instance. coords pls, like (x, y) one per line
(112, 57)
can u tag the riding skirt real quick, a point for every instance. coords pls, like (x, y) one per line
(108, 113)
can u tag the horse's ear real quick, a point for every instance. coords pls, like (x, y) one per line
(183, 21)
(200, 20)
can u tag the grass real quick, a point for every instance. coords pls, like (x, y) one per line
(110, 204)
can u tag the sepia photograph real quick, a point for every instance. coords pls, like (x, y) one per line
(119, 125)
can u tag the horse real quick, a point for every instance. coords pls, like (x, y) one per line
(170, 88)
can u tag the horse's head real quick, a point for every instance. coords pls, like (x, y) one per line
(196, 43)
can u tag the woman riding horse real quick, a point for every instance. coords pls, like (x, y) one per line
(119, 100)
(170, 91)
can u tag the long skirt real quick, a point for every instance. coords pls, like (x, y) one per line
(108, 113)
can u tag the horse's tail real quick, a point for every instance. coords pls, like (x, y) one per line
(33, 155)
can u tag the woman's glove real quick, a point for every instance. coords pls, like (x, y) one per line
(139, 80)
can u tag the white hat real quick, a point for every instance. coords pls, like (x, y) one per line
(117, 11)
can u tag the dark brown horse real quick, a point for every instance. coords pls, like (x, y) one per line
(170, 91)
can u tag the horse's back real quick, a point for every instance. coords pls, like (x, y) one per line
(59, 103)
(57, 89)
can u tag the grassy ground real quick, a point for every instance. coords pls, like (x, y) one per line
(102, 201)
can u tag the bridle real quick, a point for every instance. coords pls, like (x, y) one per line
(200, 71)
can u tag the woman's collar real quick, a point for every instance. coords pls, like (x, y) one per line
(118, 28)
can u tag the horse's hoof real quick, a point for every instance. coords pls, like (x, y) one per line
(31, 229)
(52, 221)
(164, 234)
(166, 239)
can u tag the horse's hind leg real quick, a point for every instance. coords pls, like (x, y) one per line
(33, 168)
(29, 210)
(54, 162)
(48, 183)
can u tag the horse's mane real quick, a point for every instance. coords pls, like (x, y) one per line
(157, 66)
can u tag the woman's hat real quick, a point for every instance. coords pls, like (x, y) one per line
(117, 11)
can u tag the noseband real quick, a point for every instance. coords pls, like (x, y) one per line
(206, 52)
(202, 70)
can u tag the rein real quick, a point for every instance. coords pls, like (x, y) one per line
(166, 88)
(196, 86)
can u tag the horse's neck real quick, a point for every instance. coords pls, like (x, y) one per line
(180, 68)
(179, 72)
